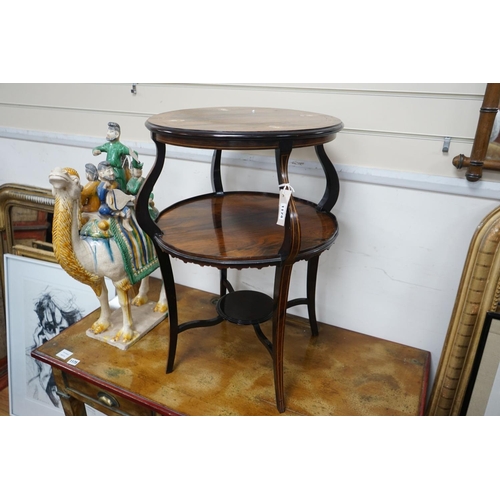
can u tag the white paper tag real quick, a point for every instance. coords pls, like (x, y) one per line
(64, 354)
(73, 361)
(284, 198)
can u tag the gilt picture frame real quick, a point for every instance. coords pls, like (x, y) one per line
(478, 294)
(482, 397)
(41, 300)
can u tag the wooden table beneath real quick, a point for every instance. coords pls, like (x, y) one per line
(224, 370)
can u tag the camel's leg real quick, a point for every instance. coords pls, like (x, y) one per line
(142, 297)
(104, 321)
(161, 305)
(127, 330)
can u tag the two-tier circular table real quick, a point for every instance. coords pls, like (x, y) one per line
(239, 229)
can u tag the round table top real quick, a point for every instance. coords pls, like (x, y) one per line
(242, 126)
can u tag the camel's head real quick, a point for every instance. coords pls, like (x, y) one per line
(65, 181)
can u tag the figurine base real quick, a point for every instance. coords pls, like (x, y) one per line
(145, 319)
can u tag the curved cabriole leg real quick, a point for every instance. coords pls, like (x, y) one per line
(216, 173)
(173, 318)
(152, 230)
(288, 251)
(332, 189)
(281, 286)
(142, 200)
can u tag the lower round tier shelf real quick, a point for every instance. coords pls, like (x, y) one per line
(238, 229)
(245, 307)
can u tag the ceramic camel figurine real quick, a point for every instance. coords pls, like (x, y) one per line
(89, 258)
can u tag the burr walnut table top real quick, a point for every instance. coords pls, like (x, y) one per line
(224, 370)
(243, 127)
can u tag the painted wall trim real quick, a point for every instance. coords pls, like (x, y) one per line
(394, 178)
(319, 88)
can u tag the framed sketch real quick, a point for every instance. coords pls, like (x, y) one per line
(41, 300)
(482, 396)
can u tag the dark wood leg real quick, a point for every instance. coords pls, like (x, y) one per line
(142, 200)
(312, 274)
(173, 318)
(216, 173)
(225, 286)
(332, 189)
(281, 286)
(152, 230)
(310, 299)
(288, 251)
(223, 282)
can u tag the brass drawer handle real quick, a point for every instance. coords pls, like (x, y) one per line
(107, 400)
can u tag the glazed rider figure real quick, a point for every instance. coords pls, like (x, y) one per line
(115, 152)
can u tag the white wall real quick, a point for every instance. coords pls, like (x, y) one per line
(406, 215)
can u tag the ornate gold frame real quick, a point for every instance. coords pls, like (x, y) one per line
(12, 195)
(478, 293)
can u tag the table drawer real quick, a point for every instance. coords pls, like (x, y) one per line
(103, 399)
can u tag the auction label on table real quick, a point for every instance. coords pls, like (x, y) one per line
(285, 194)
(64, 354)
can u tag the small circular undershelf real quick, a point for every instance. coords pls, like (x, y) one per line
(245, 307)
